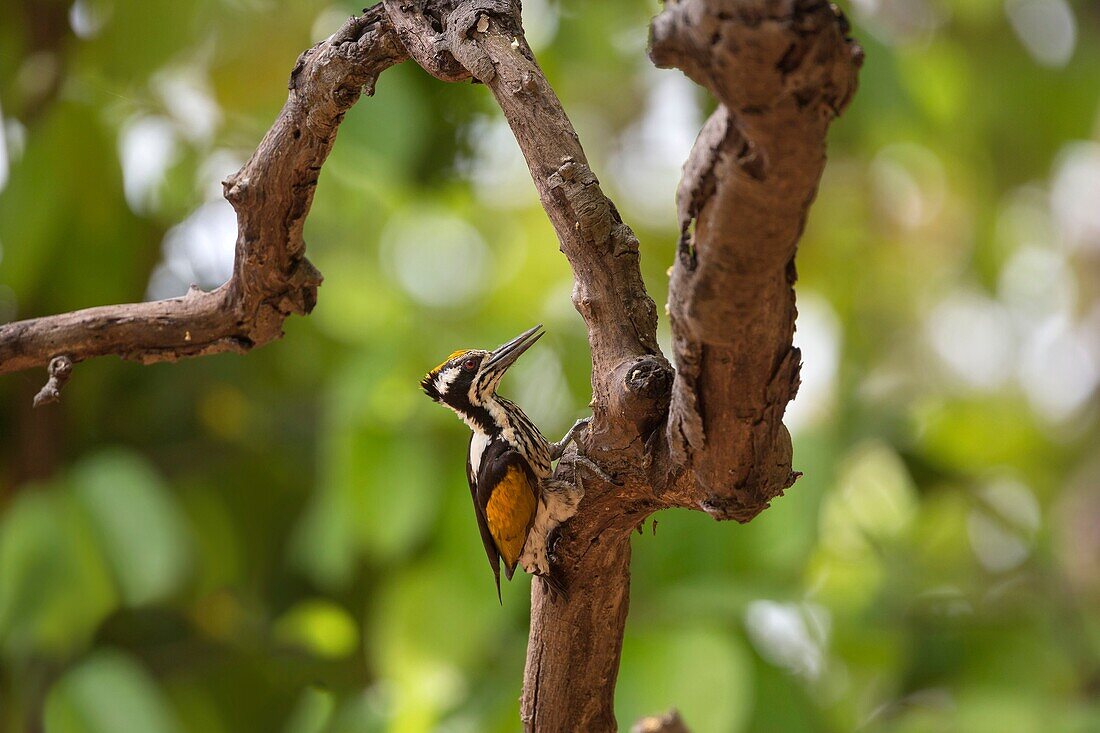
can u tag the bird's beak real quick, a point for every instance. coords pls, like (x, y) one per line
(505, 356)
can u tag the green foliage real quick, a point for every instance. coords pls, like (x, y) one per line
(137, 523)
(108, 693)
(57, 586)
(284, 541)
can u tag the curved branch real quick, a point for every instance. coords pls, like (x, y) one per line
(272, 194)
(782, 72)
(575, 643)
(486, 37)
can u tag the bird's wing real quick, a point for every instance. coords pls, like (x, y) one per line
(507, 497)
(479, 512)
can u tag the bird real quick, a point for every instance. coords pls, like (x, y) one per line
(517, 503)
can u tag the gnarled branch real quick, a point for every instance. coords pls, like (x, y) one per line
(709, 437)
(573, 652)
(782, 72)
(272, 194)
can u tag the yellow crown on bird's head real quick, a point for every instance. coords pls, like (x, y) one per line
(454, 355)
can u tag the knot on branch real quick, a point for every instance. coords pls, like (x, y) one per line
(235, 188)
(264, 305)
(60, 369)
(642, 398)
(438, 33)
(302, 293)
(649, 379)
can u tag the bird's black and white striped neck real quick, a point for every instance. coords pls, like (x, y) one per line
(500, 418)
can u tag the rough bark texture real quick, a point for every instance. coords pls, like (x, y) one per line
(782, 71)
(709, 436)
(271, 194)
(573, 653)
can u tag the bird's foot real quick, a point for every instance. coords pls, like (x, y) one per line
(535, 559)
(557, 449)
(579, 460)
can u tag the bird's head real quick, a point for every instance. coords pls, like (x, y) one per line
(468, 378)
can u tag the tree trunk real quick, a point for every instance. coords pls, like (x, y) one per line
(572, 663)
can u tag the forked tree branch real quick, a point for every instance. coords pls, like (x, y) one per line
(575, 644)
(710, 437)
(272, 194)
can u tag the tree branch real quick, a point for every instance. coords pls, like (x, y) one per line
(272, 194)
(575, 643)
(710, 437)
(746, 191)
(782, 72)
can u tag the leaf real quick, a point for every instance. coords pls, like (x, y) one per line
(55, 587)
(320, 627)
(142, 529)
(108, 693)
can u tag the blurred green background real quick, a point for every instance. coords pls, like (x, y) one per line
(284, 542)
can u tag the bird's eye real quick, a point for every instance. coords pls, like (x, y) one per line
(470, 364)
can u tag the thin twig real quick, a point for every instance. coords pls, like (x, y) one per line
(60, 369)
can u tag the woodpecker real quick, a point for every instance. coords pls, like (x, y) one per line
(516, 502)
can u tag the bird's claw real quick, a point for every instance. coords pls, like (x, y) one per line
(552, 541)
(594, 468)
(558, 449)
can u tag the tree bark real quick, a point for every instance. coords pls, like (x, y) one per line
(271, 194)
(709, 435)
(576, 642)
(782, 72)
